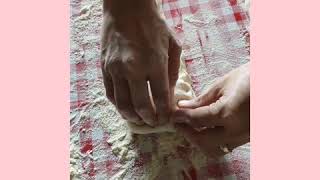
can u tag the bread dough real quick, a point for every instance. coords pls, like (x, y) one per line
(183, 91)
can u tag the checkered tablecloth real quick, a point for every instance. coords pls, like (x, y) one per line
(85, 24)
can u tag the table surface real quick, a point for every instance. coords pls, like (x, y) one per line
(204, 63)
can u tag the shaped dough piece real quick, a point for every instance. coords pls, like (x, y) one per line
(183, 91)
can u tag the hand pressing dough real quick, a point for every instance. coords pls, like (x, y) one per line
(183, 91)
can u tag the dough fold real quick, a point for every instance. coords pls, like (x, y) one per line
(182, 91)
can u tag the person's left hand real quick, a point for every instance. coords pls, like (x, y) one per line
(218, 120)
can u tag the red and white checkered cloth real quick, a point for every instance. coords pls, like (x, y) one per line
(85, 69)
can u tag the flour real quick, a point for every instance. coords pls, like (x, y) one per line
(201, 19)
(214, 47)
(75, 155)
(245, 4)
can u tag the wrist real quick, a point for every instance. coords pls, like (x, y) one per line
(124, 9)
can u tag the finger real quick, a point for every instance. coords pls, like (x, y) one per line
(108, 84)
(211, 95)
(206, 116)
(159, 84)
(141, 101)
(174, 53)
(123, 100)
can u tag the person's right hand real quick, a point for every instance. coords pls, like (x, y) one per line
(138, 47)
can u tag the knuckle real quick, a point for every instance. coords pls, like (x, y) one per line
(159, 58)
(217, 108)
(129, 60)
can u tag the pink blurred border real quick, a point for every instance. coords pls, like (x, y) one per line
(34, 90)
(285, 90)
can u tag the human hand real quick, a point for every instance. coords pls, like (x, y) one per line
(138, 47)
(220, 116)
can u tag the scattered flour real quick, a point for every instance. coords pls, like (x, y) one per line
(75, 163)
(214, 47)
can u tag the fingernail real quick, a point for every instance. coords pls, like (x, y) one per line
(183, 103)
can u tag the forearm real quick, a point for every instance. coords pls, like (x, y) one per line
(136, 20)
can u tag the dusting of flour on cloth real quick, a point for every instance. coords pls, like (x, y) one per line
(101, 147)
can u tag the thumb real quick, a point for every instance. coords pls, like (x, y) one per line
(193, 103)
(205, 116)
(211, 95)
